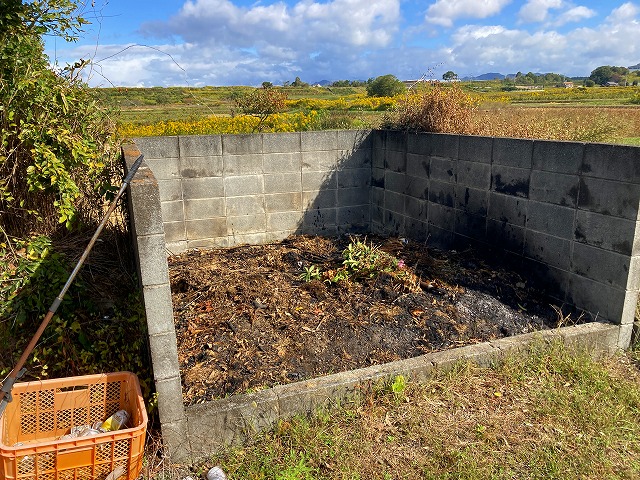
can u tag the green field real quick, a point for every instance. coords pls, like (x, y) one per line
(604, 114)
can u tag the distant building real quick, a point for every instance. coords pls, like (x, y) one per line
(611, 84)
(567, 84)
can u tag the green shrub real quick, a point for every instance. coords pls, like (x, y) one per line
(385, 86)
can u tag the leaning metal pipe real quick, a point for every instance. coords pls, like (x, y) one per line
(17, 372)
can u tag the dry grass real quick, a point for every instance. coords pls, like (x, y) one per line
(584, 124)
(551, 414)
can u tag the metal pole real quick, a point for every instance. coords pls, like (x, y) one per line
(18, 371)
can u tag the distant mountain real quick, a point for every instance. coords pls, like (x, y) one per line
(634, 67)
(486, 76)
(323, 83)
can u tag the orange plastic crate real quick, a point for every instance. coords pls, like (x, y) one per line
(43, 411)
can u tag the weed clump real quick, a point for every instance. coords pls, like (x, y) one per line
(438, 109)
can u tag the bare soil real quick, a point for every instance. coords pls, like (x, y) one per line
(245, 319)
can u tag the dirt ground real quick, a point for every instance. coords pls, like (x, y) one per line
(246, 320)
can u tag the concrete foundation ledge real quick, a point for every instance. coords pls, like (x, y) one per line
(236, 419)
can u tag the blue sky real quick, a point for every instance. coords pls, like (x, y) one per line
(245, 42)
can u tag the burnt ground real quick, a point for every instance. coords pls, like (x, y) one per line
(245, 320)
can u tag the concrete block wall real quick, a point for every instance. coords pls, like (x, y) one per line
(223, 190)
(566, 212)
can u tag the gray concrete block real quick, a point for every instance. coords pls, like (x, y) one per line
(278, 236)
(377, 157)
(442, 145)
(441, 216)
(474, 174)
(283, 202)
(417, 187)
(355, 177)
(396, 182)
(415, 208)
(207, 187)
(319, 181)
(604, 302)
(170, 190)
(551, 250)
(281, 142)
(442, 169)
(552, 219)
(164, 354)
(613, 162)
(629, 307)
(319, 140)
(505, 235)
(558, 157)
(320, 199)
(217, 242)
(241, 144)
(164, 168)
(170, 403)
(284, 221)
(178, 247)
(442, 193)
(377, 213)
(395, 161)
(475, 149)
(320, 161)
(352, 217)
(244, 224)
(204, 208)
(439, 237)
(246, 164)
(145, 199)
(257, 238)
(243, 185)
(175, 441)
(361, 158)
(394, 141)
(249, 205)
(353, 196)
(417, 230)
(555, 188)
(354, 139)
(158, 308)
(377, 177)
(207, 228)
(610, 233)
(553, 279)
(282, 162)
(603, 266)
(152, 260)
(513, 152)
(394, 202)
(319, 218)
(417, 166)
(625, 335)
(174, 232)
(283, 182)
(510, 180)
(394, 223)
(418, 144)
(609, 197)
(195, 167)
(158, 147)
(200, 145)
(506, 208)
(469, 225)
(472, 200)
(171, 212)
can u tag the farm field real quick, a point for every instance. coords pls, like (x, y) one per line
(597, 114)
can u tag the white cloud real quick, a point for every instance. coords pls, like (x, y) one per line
(623, 13)
(445, 12)
(535, 11)
(574, 15)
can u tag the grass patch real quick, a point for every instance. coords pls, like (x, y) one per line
(551, 414)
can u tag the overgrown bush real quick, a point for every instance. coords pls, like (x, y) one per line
(261, 104)
(439, 109)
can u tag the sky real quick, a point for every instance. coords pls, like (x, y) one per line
(246, 42)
